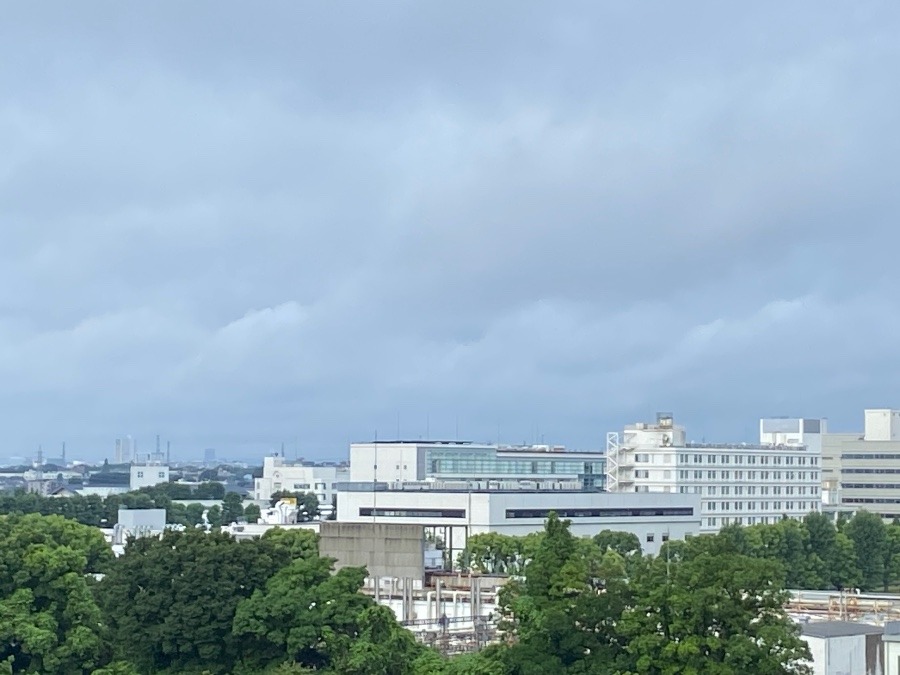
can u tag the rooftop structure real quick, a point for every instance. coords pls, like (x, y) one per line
(283, 475)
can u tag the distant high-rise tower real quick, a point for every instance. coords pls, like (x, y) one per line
(124, 450)
(209, 456)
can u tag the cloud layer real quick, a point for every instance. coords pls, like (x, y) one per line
(238, 227)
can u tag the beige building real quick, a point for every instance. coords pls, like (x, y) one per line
(862, 471)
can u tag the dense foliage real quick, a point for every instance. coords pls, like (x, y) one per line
(192, 602)
(861, 552)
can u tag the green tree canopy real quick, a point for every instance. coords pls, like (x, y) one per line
(49, 621)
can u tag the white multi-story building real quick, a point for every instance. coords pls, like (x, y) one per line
(741, 483)
(281, 475)
(451, 512)
(392, 461)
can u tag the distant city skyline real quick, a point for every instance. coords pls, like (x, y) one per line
(244, 450)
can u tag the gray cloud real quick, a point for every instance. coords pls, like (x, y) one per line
(237, 227)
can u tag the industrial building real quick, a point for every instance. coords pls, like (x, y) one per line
(451, 512)
(282, 475)
(743, 483)
(391, 461)
(844, 647)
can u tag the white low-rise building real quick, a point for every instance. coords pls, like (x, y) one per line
(148, 475)
(282, 475)
(391, 461)
(744, 484)
(451, 514)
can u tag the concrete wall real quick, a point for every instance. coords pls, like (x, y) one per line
(386, 462)
(385, 549)
(882, 424)
(485, 511)
(846, 655)
(132, 519)
(148, 475)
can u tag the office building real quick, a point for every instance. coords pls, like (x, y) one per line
(393, 461)
(743, 483)
(282, 475)
(451, 512)
(864, 468)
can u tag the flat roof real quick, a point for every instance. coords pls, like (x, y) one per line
(831, 629)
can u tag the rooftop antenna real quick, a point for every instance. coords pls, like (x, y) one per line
(40, 463)
(168, 452)
(64, 453)
(158, 451)
(282, 449)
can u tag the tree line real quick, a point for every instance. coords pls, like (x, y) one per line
(197, 603)
(814, 554)
(103, 511)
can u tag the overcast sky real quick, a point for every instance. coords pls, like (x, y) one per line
(240, 224)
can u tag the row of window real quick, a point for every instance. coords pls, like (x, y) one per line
(739, 490)
(871, 486)
(788, 460)
(412, 513)
(879, 470)
(763, 506)
(649, 512)
(742, 520)
(740, 475)
(870, 500)
(883, 455)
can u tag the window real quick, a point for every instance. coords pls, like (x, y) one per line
(698, 475)
(712, 522)
(650, 538)
(641, 473)
(711, 475)
(642, 458)
(665, 537)
(162, 474)
(711, 459)
(140, 474)
(712, 489)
